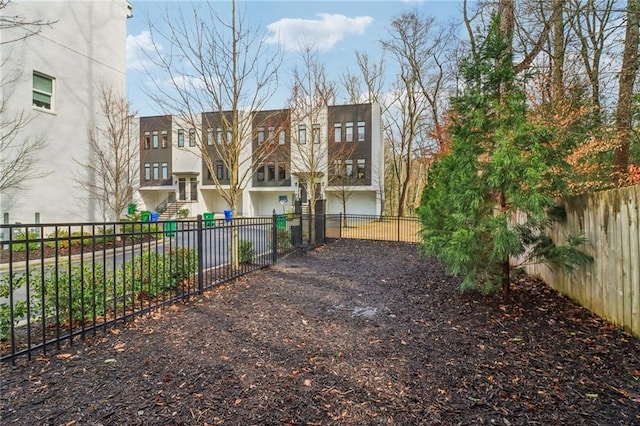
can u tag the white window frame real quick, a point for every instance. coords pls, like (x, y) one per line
(51, 95)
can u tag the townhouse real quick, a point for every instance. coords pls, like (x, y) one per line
(181, 166)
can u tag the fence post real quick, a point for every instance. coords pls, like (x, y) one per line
(274, 240)
(199, 244)
(398, 227)
(340, 227)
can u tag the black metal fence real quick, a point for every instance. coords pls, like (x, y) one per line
(61, 281)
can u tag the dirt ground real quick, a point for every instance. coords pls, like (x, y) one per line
(352, 333)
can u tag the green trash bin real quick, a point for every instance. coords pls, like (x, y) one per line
(170, 228)
(281, 221)
(208, 219)
(131, 209)
(145, 215)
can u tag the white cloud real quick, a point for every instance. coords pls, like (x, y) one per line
(322, 33)
(139, 49)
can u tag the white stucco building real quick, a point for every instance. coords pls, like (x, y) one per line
(54, 77)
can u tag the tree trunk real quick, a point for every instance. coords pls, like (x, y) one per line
(557, 72)
(628, 75)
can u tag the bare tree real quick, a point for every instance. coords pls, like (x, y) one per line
(417, 44)
(19, 153)
(628, 76)
(27, 27)
(218, 65)
(111, 164)
(311, 94)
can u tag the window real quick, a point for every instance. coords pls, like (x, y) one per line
(315, 133)
(361, 131)
(192, 137)
(282, 171)
(260, 134)
(147, 171)
(260, 174)
(220, 170)
(348, 130)
(165, 170)
(210, 136)
(360, 171)
(165, 139)
(147, 140)
(349, 168)
(337, 168)
(155, 139)
(180, 138)
(302, 134)
(156, 170)
(270, 133)
(218, 135)
(229, 137)
(282, 138)
(337, 132)
(42, 91)
(271, 172)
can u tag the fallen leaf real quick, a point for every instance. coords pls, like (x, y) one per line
(114, 331)
(592, 395)
(237, 401)
(119, 347)
(307, 382)
(109, 360)
(64, 356)
(305, 322)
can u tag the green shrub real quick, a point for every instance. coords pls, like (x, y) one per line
(22, 246)
(246, 252)
(77, 292)
(19, 307)
(138, 231)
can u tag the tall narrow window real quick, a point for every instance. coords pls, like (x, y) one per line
(209, 136)
(282, 171)
(229, 137)
(315, 133)
(348, 168)
(337, 168)
(337, 132)
(271, 172)
(260, 173)
(156, 171)
(302, 134)
(361, 131)
(155, 140)
(192, 137)
(42, 91)
(218, 135)
(165, 170)
(348, 130)
(165, 138)
(360, 171)
(220, 170)
(147, 140)
(270, 133)
(180, 138)
(260, 134)
(147, 171)
(282, 137)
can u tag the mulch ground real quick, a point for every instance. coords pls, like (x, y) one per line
(351, 333)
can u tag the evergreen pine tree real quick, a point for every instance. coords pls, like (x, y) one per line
(500, 165)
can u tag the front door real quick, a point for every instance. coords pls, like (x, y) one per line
(303, 191)
(182, 189)
(193, 189)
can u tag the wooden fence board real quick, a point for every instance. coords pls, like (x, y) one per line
(610, 286)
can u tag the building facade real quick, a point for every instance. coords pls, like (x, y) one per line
(53, 78)
(181, 167)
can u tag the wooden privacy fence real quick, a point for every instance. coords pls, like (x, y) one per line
(610, 286)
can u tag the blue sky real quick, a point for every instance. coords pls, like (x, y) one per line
(336, 28)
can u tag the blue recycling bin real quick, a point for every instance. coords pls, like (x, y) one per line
(227, 215)
(155, 216)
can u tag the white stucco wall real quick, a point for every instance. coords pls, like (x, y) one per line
(83, 49)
